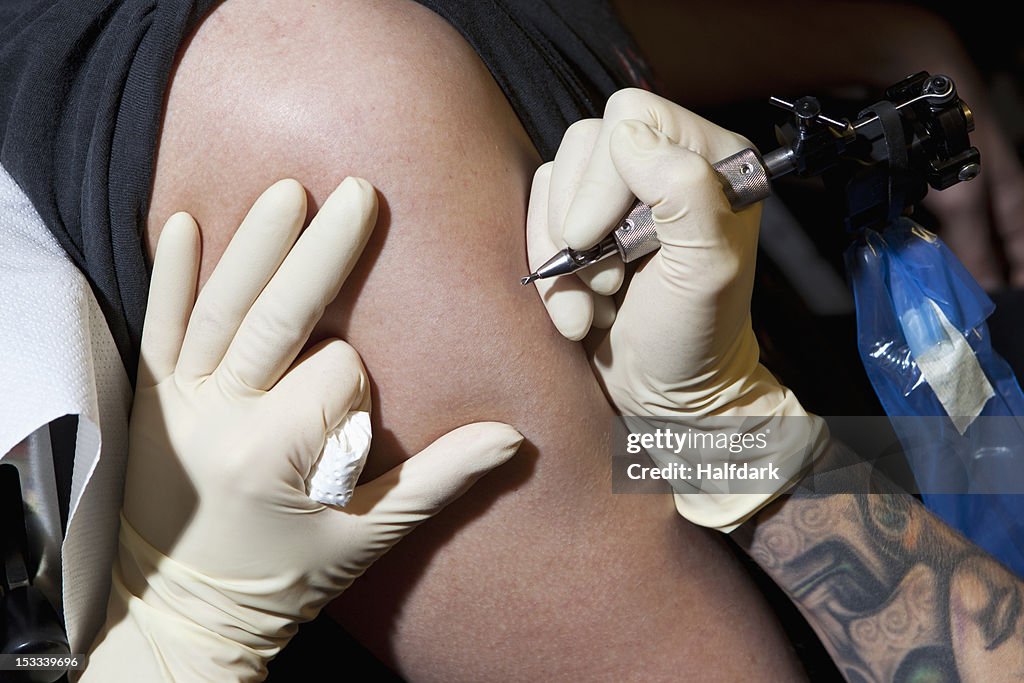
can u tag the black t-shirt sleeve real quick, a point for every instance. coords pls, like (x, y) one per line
(82, 86)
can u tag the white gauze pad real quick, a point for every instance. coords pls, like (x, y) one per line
(334, 476)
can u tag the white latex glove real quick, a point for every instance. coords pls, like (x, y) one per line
(681, 345)
(221, 552)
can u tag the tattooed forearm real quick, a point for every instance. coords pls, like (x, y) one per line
(893, 593)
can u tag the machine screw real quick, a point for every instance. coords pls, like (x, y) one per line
(807, 108)
(969, 171)
(937, 84)
(941, 90)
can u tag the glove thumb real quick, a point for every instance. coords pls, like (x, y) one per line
(421, 486)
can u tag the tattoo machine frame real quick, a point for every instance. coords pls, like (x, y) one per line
(882, 163)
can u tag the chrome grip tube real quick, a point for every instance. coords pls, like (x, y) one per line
(744, 180)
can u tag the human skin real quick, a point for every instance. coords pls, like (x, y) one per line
(539, 572)
(894, 594)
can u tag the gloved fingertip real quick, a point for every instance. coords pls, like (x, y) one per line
(607, 280)
(357, 180)
(359, 184)
(286, 191)
(281, 204)
(569, 305)
(499, 432)
(180, 227)
(180, 220)
(574, 334)
(360, 192)
(574, 323)
(178, 247)
(497, 439)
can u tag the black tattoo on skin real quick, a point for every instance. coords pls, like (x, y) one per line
(893, 593)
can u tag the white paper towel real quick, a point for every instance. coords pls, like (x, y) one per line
(60, 359)
(335, 474)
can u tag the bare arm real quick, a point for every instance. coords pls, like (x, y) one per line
(541, 573)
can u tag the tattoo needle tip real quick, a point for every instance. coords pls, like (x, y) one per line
(529, 278)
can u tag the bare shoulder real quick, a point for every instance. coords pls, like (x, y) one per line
(380, 88)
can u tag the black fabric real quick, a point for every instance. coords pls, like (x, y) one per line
(557, 62)
(81, 92)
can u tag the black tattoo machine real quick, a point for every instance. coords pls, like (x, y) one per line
(882, 163)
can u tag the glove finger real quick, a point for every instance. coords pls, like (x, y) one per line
(417, 489)
(284, 314)
(254, 254)
(603, 198)
(567, 171)
(569, 303)
(696, 226)
(172, 292)
(311, 399)
(604, 277)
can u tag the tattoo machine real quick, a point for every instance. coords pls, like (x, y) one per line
(883, 162)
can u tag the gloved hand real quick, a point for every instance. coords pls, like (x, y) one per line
(681, 344)
(221, 552)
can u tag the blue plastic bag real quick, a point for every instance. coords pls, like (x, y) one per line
(918, 307)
